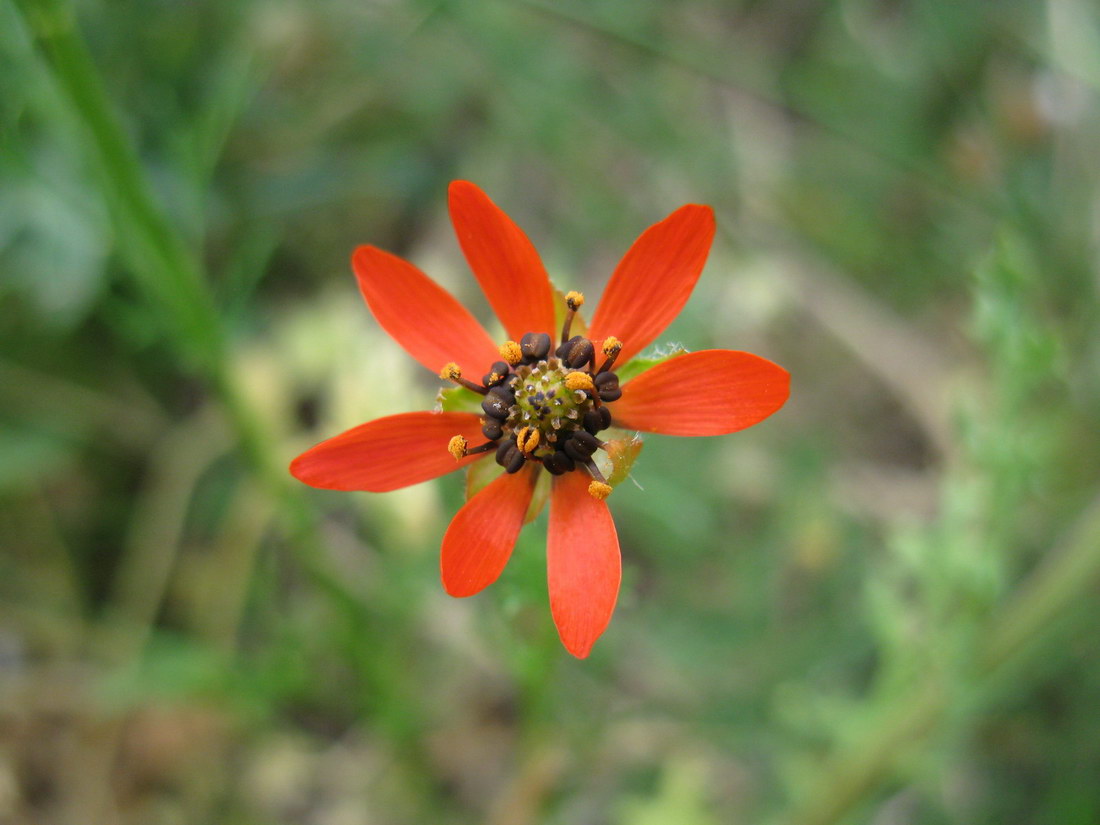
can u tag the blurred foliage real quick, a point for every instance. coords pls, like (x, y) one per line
(875, 607)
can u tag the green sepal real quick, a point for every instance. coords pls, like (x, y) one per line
(617, 460)
(481, 474)
(458, 399)
(636, 366)
(539, 497)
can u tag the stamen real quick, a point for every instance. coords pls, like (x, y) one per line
(451, 372)
(580, 381)
(594, 471)
(496, 374)
(515, 462)
(607, 386)
(457, 447)
(597, 489)
(509, 457)
(581, 445)
(498, 403)
(511, 352)
(491, 428)
(597, 419)
(535, 346)
(612, 346)
(579, 353)
(527, 439)
(573, 302)
(558, 463)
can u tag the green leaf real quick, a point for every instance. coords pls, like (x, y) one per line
(29, 457)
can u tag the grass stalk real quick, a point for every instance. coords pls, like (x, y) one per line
(912, 719)
(171, 276)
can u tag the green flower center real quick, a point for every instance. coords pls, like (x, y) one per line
(544, 402)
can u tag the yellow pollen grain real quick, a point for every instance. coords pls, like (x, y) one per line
(511, 352)
(574, 300)
(597, 489)
(457, 447)
(611, 346)
(580, 381)
(527, 439)
(450, 372)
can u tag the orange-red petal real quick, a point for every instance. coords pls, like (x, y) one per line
(654, 280)
(583, 565)
(425, 319)
(711, 392)
(388, 453)
(503, 260)
(479, 541)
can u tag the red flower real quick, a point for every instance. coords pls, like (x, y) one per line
(545, 402)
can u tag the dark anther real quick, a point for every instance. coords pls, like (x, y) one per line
(535, 346)
(563, 350)
(504, 452)
(611, 395)
(491, 429)
(607, 381)
(558, 463)
(586, 441)
(498, 402)
(597, 419)
(581, 445)
(607, 385)
(580, 353)
(513, 461)
(496, 374)
(509, 457)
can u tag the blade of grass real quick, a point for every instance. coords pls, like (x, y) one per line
(166, 270)
(171, 275)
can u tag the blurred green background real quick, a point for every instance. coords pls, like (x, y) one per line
(878, 606)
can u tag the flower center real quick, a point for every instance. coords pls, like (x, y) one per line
(544, 400)
(546, 407)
